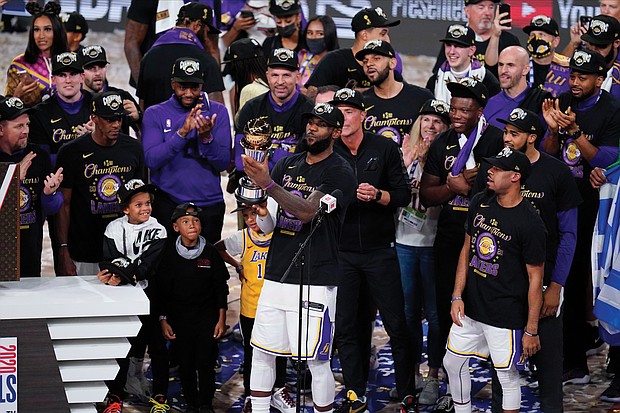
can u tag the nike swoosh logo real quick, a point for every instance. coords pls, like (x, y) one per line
(351, 70)
(86, 155)
(55, 120)
(370, 107)
(167, 130)
(484, 206)
(451, 146)
(291, 167)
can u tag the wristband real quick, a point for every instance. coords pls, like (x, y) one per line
(162, 318)
(239, 269)
(456, 299)
(527, 333)
(270, 185)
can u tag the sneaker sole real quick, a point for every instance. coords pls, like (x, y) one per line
(610, 399)
(579, 380)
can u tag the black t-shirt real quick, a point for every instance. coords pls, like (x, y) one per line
(441, 155)
(52, 127)
(540, 74)
(94, 173)
(321, 255)
(339, 68)
(503, 241)
(156, 71)
(393, 118)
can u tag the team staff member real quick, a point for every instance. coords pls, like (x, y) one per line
(603, 37)
(186, 146)
(449, 173)
(500, 266)
(369, 230)
(297, 183)
(392, 106)
(94, 166)
(38, 185)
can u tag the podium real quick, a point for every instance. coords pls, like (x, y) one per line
(69, 332)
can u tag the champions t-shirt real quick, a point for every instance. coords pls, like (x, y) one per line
(94, 173)
(321, 255)
(503, 241)
(339, 67)
(393, 118)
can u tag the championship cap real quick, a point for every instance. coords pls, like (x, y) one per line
(122, 267)
(283, 58)
(368, 18)
(469, 88)
(11, 108)
(93, 54)
(524, 120)
(603, 30)
(346, 96)
(470, 2)
(74, 22)
(187, 70)
(463, 35)
(326, 112)
(283, 8)
(544, 24)
(509, 159)
(108, 105)
(242, 49)
(183, 210)
(195, 10)
(66, 62)
(588, 61)
(379, 47)
(135, 186)
(436, 107)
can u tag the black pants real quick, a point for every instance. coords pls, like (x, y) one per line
(548, 362)
(247, 324)
(377, 271)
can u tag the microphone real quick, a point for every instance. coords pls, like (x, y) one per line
(329, 201)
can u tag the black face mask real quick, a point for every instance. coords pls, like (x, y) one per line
(316, 46)
(316, 148)
(538, 47)
(287, 31)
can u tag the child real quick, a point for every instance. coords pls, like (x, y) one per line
(192, 298)
(252, 246)
(133, 245)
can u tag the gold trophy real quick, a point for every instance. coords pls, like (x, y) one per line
(256, 142)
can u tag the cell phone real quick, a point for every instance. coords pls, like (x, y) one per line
(27, 77)
(505, 8)
(585, 21)
(246, 14)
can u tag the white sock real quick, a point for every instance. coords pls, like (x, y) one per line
(260, 404)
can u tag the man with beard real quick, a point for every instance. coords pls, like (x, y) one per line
(554, 194)
(449, 174)
(603, 37)
(187, 144)
(95, 65)
(369, 230)
(392, 106)
(282, 107)
(584, 126)
(184, 40)
(297, 184)
(94, 166)
(287, 15)
(513, 68)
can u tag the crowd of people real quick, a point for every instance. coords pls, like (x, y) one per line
(468, 203)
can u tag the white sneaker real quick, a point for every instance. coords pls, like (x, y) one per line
(282, 401)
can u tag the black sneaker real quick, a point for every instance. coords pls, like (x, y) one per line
(114, 404)
(576, 376)
(409, 404)
(444, 405)
(612, 393)
(353, 404)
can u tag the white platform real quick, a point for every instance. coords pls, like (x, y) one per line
(89, 323)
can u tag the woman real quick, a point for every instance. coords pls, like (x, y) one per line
(29, 74)
(415, 234)
(319, 37)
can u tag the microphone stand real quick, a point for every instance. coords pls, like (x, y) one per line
(320, 215)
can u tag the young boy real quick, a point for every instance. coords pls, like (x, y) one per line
(192, 300)
(252, 245)
(132, 247)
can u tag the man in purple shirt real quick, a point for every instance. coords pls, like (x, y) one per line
(187, 144)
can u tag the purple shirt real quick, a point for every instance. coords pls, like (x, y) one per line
(500, 106)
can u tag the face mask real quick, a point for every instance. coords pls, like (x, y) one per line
(538, 47)
(287, 31)
(316, 46)
(316, 148)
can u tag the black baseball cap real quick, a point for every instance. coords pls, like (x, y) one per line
(182, 210)
(470, 2)
(544, 24)
(187, 70)
(197, 11)
(66, 62)
(122, 267)
(463, 35)
(134, 186)
(283, 8)
(436, 107)
(589, 62)
(242, 49)
(327, 112)
(74, 22)
(93, 54)
(283, 58)
(369, 18)
(11, 108)
(524, 120)
(469, 88)
(108, 105)
(346, 96)
(379, 47)
(509, 159)
(603, 30)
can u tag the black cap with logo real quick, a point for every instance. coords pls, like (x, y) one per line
(93, 54)
(195, 10)
(351, 97)
(524, 120)
(328, 113)
(11, 108)
(459, 34)
(134, 186)
(544, 24)
(509, 159)
(283, 8)
(74, 22)
(436, 107)
(66, 62)
(470, 88)
(369, 18)
(588, 61)
(242, 49)
(108, 105)
(603, 30)
(283, 58)
(379, 47)
(183, 210)
(187, 70)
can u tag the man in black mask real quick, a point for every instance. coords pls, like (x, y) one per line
(287, 14)
(603, 37)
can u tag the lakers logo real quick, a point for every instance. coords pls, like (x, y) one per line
(24, 198)
(322, 108)
(457, 30)
(189, 66)
(572, 154)
(285, 4)
(283, 54)
(109, 187)
(113, 101)
(580, 57)
(540, 20)
(373, 44)
(344, 94)
(66, 58)
(14, 103)
(599, 27)
(486, 246)
(92, 51)
(517, 113)
(440, 106)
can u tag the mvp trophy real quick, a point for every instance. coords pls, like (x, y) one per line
(256, 142)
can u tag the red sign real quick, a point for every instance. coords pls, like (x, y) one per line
(522, 11)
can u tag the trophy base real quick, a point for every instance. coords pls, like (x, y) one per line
(250, 193)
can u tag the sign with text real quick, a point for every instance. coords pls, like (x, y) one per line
(8, 374)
